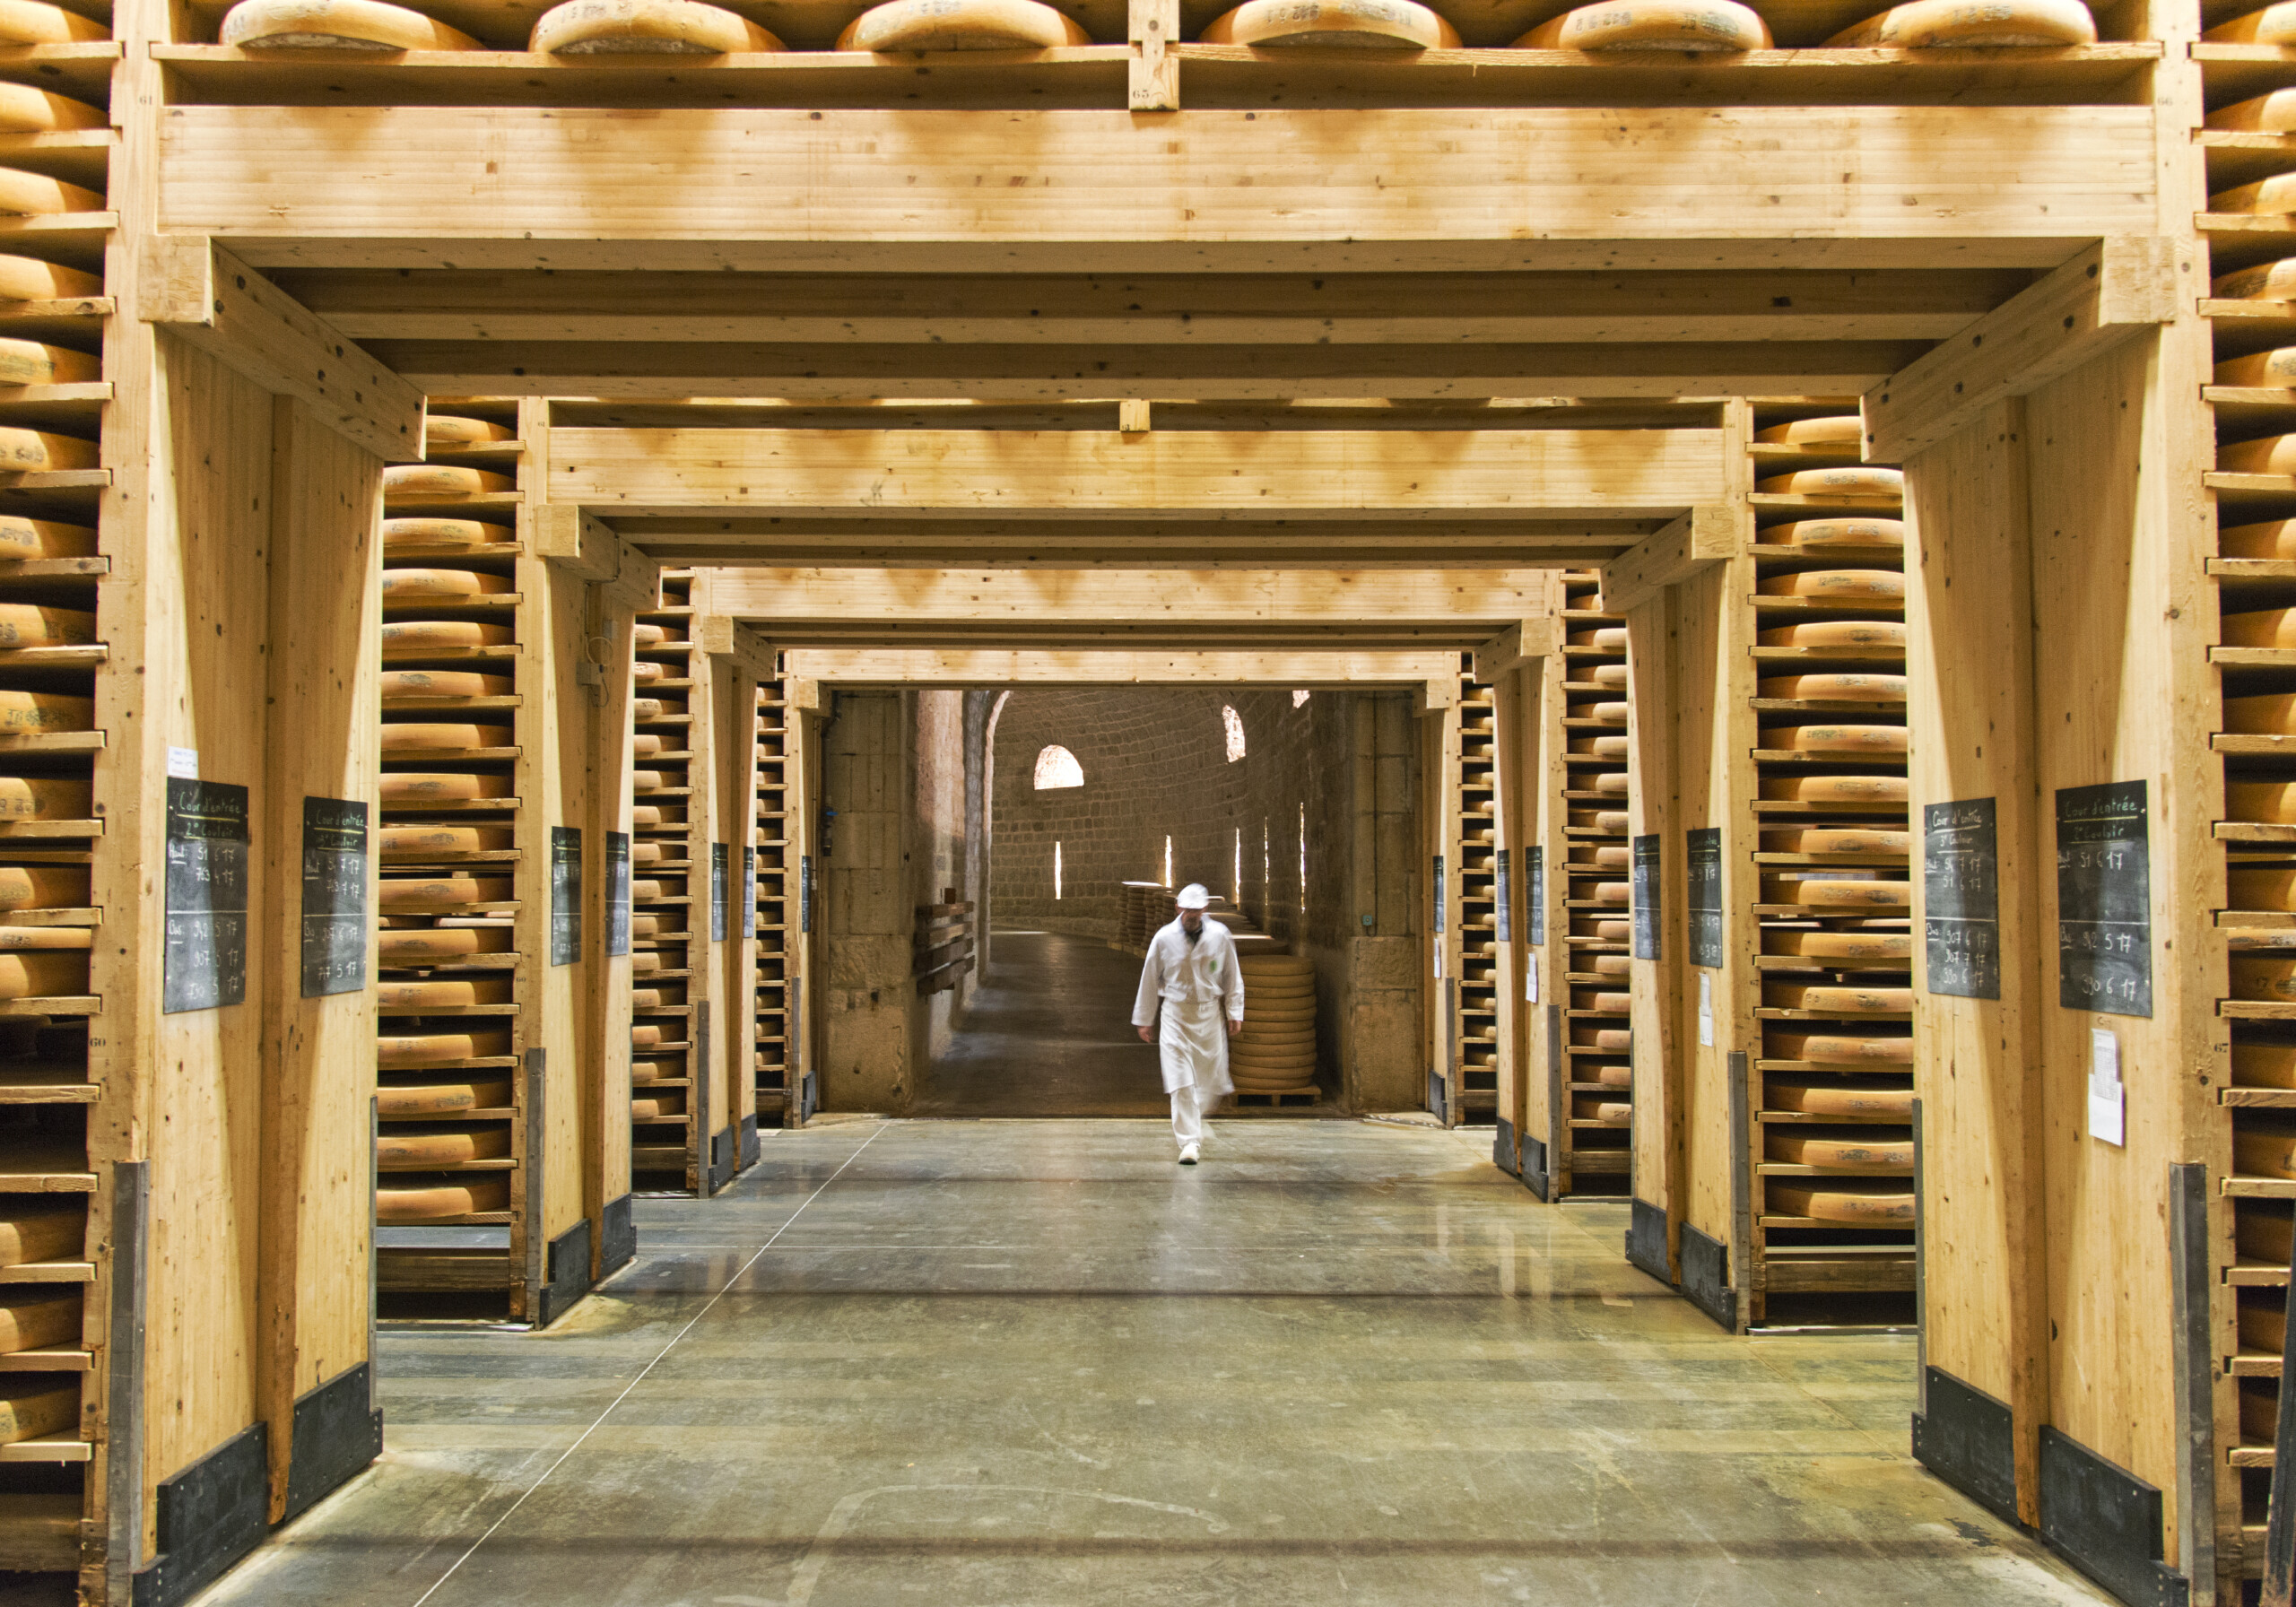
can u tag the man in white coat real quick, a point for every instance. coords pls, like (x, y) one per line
(1192, 979)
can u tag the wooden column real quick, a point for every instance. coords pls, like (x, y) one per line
(1660, 1175)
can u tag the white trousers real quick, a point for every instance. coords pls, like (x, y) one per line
(1187, 1116)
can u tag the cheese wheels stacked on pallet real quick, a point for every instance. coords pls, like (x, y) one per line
(1275, 1054)
(1136, 920)
(775, 908)
(669, 896)
(450, 1100)
(1476, 884)
(1833, 1144)
(1597, 1033)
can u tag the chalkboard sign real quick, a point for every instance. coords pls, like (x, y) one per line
(2104, 900)
(804, 892)
(721, 880)
(565, 894)
(749, 889)
(1646, 861)
(1705, 877)
(1534, 875)
(334, 896)
(1960, 896)
(1440, 889)
(203, 960)
(617, 893)
(1501, 905)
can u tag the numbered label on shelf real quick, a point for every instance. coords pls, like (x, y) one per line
(334, 896)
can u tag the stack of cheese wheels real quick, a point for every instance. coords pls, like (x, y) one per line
(1997, 24)
(646, 28)
(357, 25)
(1275, 1051)
(1596, 873)
(1699, 26)
(932, 25)
(1134, 926)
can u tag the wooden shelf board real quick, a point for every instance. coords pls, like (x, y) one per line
(49, 1271)
(48, 1447)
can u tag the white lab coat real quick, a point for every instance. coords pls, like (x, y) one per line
(1195, 985)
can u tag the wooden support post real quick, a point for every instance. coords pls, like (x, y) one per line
(1153, 28)
(1659, 1175)
(1516, 811)
(1708, 534)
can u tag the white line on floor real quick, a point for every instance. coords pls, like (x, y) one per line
(640, 1378)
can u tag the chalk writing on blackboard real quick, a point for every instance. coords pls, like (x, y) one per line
(1960, 896)
(565, 894)
(617, 893)
(2104, 899)
(721, 877)
(204, 959)
(1535, 878)
(334, 896)
(1646, 861)
(1502, 904)
(1705, 893)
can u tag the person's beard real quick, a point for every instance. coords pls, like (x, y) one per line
(1191, 933)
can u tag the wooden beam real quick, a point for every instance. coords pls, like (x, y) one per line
(1439, 694)
(1082, 473)
(1309, 671)
(212, 300)
(1704, 536)
(2111, 292)
(1526, 641)
(583, 545)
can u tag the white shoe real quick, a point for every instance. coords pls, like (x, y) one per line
(1188, 1155)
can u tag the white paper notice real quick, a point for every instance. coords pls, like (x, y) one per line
(1706, 1009)
(2107, 1104)
(183, 764)
(1531, 983)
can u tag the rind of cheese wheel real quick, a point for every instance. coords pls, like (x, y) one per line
(645, 744)
(2263, 976)
(444, 840)
(648, 636)
(2274, 370)
(30, 625)
(2273, 538)
(646, 814)
(2265, 713)
(1835, 583)
(1834, 532)
(646, 962)
(43, 887)
(646, 853)
(1829, 999)
(33, 1404)
(401, 1152)
(1600, 747)
(1610, 857)
(441, 1099)
(1837, 633)
(646, 28)
(401, 533)
(960, 25)
(649, 709)
(443, 684)
(2274, 454)
(1608, 638)
(1811, 1099)
(1841, 1200)
(1607, 932)
(1360, 25)
(1616, 1040)
(2265, 1154)
(34, 22)
(2271, 803)
(650, 887)
(1614, 965)
(1835, 739)
(2274, 25)
(35, 362)
(29, 279)
(446, 432)
(35, 196)
(1831, 893)
(449, 735)
(1704, 26)
(27, 110)
(2262, 198)
(445, 479)
(2266, 281)
(1834, 687)
(2261, 627)
(2260, 888)
(657, 1108)
(1600, 999)
(46, 538)
(647, 1036)
(32, 450)
(410, 636)
(1593, 1107)
(405, 585)
(1835, 839)
(1855, 480)
(44, 798)
(1612, 1076)
(441, 786)
(1849, 1154)
(479, 1197)
(417, 894)
(1612, 892)
(33, 1231)
(366, 25)
(45, 711)
(1612, 781)
(1838, 1049)
(647, 781)
(43, 974)
(1834, 789)
(2266, 1238)
(1994, 24)
(2261, 1328)
(405, 1049)
(442, 943)
(1835, 430)
(451, 994)
(1609, 674)
(1609, 713)
(645, 669)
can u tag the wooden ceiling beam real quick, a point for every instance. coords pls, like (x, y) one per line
(982, 667)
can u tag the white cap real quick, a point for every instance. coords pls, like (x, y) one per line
(1194, 896)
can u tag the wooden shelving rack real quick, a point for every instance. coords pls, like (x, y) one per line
(1598, 1086)
(1834, 1074)
(776, 911)
(669, 894)
(1480, 970)
(459, 736)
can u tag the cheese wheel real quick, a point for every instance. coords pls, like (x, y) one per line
(28, 451)
(1882, 1202)
(1853, 480)
(1593, 1107)
(1609, 638)
(34, 196)
(644, 669)
(2260, 888)
(451, 994)
(1837, 633)
(1834, 789)
(1274, 966)
(648, 708)
(2265, 197)
(412, 637)
(1972, 24)
(2267, 282)
(444, 432)
(2261, 627)
(43, 887)
(646, 28)
(1609, 713)
(2274, 25)
(33, 1404)
(1604, 858)
(2261, 1328)
(2262, 1237)
(1811, 1099)
(2264, 1154)
(422, 894)
(2274, 113)
(644, 853)
(441, 1099)
(1842, 687)
(962, 25)
(30, 625)
(1835, 430)
(2266, 714)
(1829, 893)
(2270, 803)
(1604, 931)
(442, 683)
(2264, 977)
(442, 480)
(1611, 781)
(1609, 674)
(399, 1151)
(2274, 454)
(31, 1231)
(404, 532)
(1837, 1047)
(1834, 839)
(29, 279)
(1603, 1001)
(21, 538)
(35, 362)
(27, 110)
(395, 1050)
(1612, 892)
(1612, 965)
(1792, 1148)
(1855, 584)
(1615, 1041)
(646, 814)
(441, 786)
(657, 1108)
(646, 962)
(1600, 747)
(1698, 26)
(1835, 739)
(2273, 538)
(442, 943)
(646, 888)
(1834, 532)
(647, 781)
(40, 712)
(429, 736)
(44, 798)
(646, 745)
(337, 25)
(43, 974)
(477, 1197)
(432, 838)
(1832, 999)
(34, 22)
(410, 585)
(648, 636)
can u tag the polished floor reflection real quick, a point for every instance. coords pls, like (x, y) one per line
(959, 1363)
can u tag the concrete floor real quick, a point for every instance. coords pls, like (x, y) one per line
(1035, 1363)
